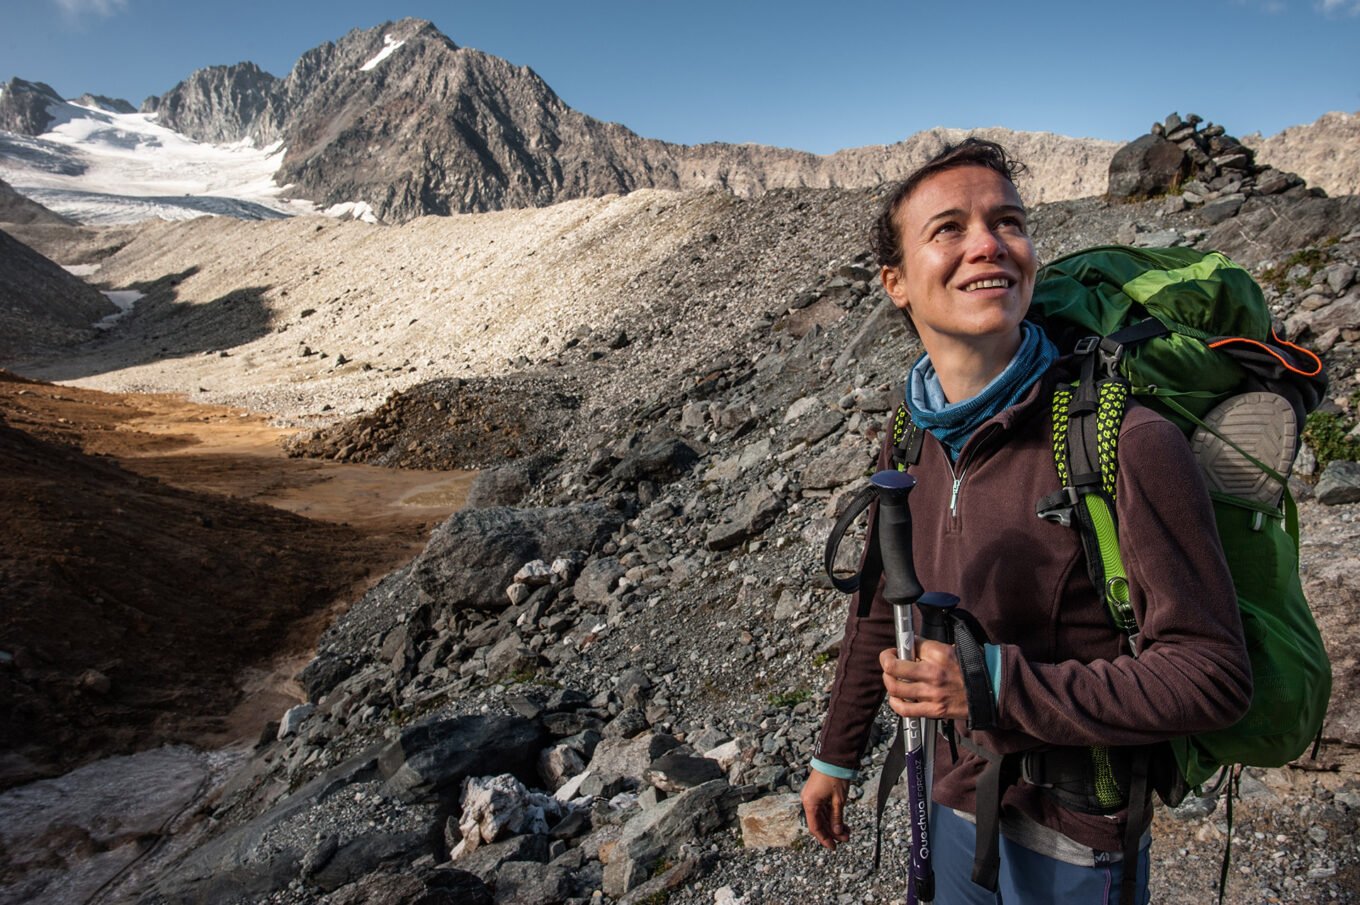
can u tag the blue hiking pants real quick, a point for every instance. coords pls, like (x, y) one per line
(1026, 877)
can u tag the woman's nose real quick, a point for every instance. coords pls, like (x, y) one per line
(985, 245)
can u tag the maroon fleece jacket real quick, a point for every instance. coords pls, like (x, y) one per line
(1066, 676)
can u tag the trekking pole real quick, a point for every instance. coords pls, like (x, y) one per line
(901, 588)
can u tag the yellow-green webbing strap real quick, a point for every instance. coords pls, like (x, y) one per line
(1110, 579)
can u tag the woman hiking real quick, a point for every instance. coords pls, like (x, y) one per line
(1071, 701)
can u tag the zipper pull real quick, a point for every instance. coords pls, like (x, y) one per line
(954, 496)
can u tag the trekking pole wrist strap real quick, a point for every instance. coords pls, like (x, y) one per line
(977, 680)
(944, 621)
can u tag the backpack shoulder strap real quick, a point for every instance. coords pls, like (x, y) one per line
(907, 437)
(1086, 419)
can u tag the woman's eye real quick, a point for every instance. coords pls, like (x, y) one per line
(1012, 223)
(944, 228)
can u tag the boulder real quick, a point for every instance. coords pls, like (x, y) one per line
(367, 854)
(523, 883)
(676, 771)
(433, 757)
(474, 555)
(486, 859)
(748, 517)
(598, 579)
(659, 832)
(499, 806)
(442, 886)
(1340, 483)
(839, 465)
(628, 758)
(661, 456)
(1147, 166)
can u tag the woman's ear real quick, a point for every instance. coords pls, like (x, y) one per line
(895, 284)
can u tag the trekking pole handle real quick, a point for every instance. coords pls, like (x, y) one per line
(902, 588)
(900, 584)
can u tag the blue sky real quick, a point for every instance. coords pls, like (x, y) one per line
(798, 74)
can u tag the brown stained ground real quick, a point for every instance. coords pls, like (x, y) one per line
(176, 550)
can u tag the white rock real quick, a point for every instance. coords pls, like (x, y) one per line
(294, 718)
(534, 573)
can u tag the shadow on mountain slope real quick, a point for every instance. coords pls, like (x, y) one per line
(162, 326)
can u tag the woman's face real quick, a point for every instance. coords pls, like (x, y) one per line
(967, 271)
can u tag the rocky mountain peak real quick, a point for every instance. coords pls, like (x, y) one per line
(223, 104)
(107, 104)
(23, 106)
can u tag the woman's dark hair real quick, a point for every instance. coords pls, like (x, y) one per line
(971, 152)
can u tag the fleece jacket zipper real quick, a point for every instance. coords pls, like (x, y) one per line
(960, 469)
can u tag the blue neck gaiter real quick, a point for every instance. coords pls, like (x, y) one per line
(953, 424)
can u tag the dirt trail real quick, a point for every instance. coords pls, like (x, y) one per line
(198, 603)
(231, 452)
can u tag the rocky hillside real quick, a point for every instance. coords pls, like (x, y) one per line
(402, 119)
(672, 396)
(1326, 152)
(41, 305)
(16, 209)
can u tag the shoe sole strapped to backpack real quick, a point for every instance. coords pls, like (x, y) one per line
(1262, 425)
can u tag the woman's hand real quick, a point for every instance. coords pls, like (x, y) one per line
(824, 804)
(931, 686)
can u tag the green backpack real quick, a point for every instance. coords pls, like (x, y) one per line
(1183, 331)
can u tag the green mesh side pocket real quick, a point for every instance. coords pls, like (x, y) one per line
(1107, 787)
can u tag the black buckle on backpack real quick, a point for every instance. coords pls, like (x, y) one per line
(1111, 351)
(1058, 507)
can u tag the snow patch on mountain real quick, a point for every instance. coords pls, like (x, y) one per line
(102, 167)
(358, 210)
(390, 45)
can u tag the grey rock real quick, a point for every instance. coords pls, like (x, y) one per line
(486, 859)
(366, 854)
(843, 463)
(435, 757)
(558, 763)
(1215, 212)
(676, 771)
(248, 861)
(660, 457)
(660, 831)
(1267, 224)
(752, 514)
(474, 555)
(1340, 483)
(294, 718)
(628, 758)
(1339, 277)
(511, 657)
(658, 888)
(522, 883)
(810, 430)
(633, 687)
(1342, 314)
(598, 579)
(802, 408)
(1162, 238)
(732, 467)
(568, 724)
(629, 723)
